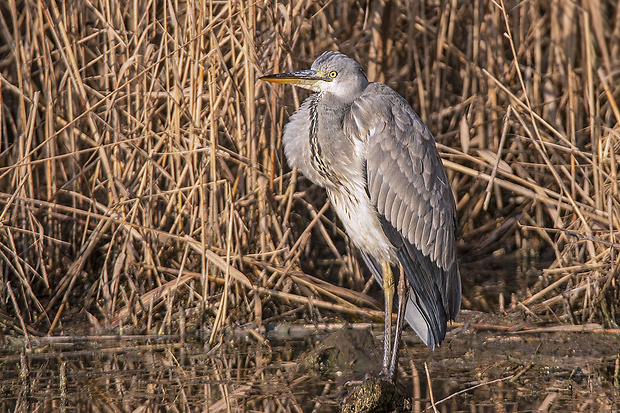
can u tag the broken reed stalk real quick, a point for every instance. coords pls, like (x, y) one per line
(138, 138)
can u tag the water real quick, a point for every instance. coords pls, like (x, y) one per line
(476, 371)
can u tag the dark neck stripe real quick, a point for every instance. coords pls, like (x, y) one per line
(315, 147)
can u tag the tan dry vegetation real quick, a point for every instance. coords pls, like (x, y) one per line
(141, 170)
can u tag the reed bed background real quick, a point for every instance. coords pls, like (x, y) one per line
(142, 181)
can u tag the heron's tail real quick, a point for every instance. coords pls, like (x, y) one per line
(426, 315)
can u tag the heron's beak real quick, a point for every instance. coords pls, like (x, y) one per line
(303, 78)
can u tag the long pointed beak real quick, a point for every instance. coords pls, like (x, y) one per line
(304, 78)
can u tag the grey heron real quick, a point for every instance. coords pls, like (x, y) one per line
(380, 166)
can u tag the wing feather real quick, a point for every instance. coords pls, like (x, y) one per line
(408, 186)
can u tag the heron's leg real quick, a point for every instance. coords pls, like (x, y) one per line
(388, 293)
(403, 297)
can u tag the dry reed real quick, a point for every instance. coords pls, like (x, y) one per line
(142, 177)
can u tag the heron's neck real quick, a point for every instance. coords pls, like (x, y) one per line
(315, 146)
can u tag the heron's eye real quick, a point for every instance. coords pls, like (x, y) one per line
(333, 74)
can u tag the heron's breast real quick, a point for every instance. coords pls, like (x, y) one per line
(361, 221)
(297, 144)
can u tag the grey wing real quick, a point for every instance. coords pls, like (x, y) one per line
(407, 184)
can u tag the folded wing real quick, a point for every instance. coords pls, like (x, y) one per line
(407, 184)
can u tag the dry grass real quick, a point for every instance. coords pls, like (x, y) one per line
(142, 178)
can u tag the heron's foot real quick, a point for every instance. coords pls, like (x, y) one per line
(368, 376)
(376, 394)
(353, 383)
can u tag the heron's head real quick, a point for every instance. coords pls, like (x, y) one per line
(331, 72)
